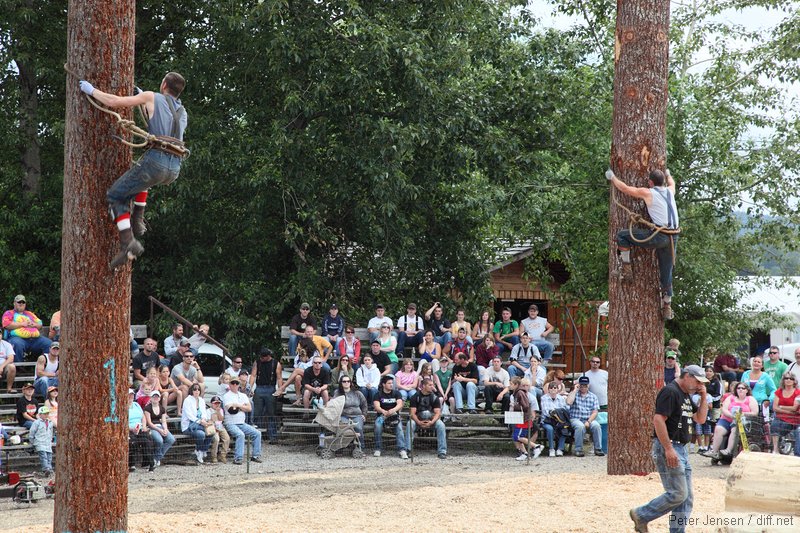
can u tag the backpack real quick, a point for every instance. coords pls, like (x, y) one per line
(559, 419)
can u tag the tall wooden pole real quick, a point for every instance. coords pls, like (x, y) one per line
(92, 452)
(636, 332)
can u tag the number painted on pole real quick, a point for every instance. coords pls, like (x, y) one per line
(112, 383)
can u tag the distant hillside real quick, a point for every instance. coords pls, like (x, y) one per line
(789, 265)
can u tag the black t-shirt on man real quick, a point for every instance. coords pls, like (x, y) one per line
(388, 400)
(425, 402)
(381, 360)
(677, 406)
(143, 362)
(324, 377)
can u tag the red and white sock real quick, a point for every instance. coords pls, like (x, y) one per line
(123, 222)
(140, 199)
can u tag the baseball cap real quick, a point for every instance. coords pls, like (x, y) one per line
(412, 306)
(55, 345)
(334, 306)
(264, 352)
(376, 341)
(43, 410)
(155, 393)
(27, 386)
(216, 399)
(185, 342)
(696, 372)
(235, 380)
(583, 380)
(19, 298)
(379, 306)
(671, 354)
(305, 305)
(51, 388)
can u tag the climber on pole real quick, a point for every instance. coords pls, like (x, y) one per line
(166, 121)
(661, 234)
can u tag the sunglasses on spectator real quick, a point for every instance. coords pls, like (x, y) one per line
(188, 356)
(790, 377)
(596, 362)
(237, 362)
(317, 363)
(741, 388)
(345, 381)
(385, 327)
(349, 331)
(775, 353)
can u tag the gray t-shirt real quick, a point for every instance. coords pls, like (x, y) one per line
(179, 371)
(598, 384)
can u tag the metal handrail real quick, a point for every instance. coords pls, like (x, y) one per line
(187, 323)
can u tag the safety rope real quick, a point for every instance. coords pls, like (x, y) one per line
(150, 140)
(636, 218)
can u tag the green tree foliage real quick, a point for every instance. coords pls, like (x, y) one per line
(382, 151)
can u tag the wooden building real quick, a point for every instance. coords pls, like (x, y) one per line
(577, 326)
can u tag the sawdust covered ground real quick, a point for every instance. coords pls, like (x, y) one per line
(296, 491)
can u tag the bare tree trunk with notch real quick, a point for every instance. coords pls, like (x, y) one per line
(92, 453)
(636, 332)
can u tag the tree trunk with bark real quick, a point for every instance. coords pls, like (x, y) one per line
(636, 332)
(92, 452)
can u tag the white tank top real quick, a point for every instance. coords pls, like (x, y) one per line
(662, 210)
(51, 366)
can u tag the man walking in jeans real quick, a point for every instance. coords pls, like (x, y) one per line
(675, 414)
(266, 376)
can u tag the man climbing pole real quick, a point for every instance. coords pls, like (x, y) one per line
(662, 235)
(166, 121)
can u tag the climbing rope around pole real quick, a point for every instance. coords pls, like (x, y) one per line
(150, 140)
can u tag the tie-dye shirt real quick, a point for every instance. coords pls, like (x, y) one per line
(11, 316)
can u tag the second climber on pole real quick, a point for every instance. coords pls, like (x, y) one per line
(662, 235)
(160, 164)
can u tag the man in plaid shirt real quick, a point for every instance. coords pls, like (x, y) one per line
(583, 409)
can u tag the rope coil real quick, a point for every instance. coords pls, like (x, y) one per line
(636, 218)
(175, 147)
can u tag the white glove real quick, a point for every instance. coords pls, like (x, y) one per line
(87, 87)
(610, 174)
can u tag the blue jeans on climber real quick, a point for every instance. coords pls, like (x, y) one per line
(664, 252)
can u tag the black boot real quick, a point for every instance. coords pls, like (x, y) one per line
(129, 249)
(138, 224)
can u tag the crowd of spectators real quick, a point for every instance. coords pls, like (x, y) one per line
(460, 368)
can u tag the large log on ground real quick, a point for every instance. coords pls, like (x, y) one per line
(764, 483)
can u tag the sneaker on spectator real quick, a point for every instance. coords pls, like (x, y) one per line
(560, 453)
(552, 452)
(403, 454)
(132, 469)
(472, 412)
(376, 453)
(578, 453)
(199, 455)
(522, 457)
(256, 459)
(599, 453)
(237, 461)
(537, 450)
(459, 411)
(442, 456)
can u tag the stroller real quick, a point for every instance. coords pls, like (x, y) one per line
(756, 436)
(330, 418)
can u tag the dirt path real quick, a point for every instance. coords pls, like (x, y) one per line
(299, 492)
